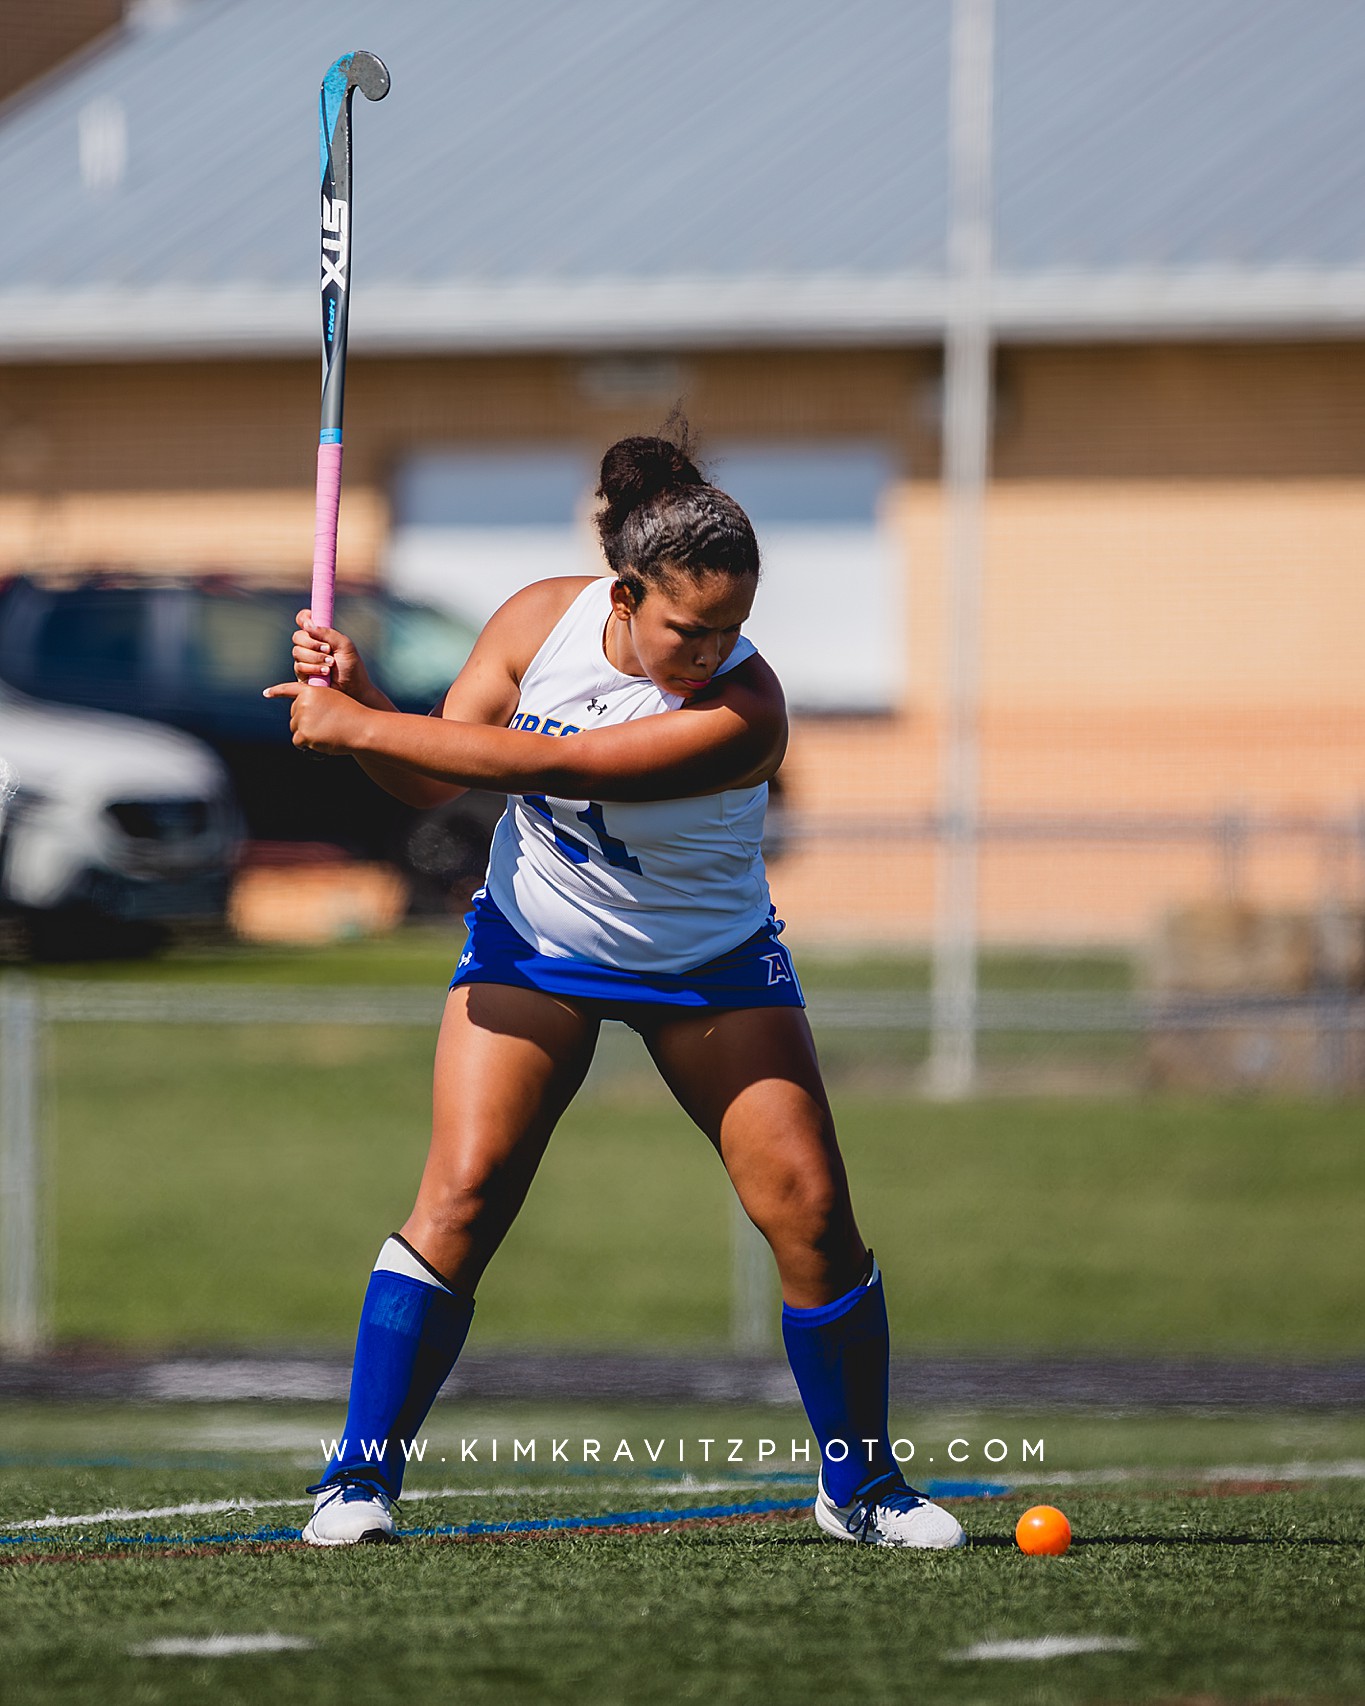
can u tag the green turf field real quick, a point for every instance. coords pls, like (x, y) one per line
(231, 1186)
(1225, 1553)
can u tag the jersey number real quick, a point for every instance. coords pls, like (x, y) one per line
(617, 854)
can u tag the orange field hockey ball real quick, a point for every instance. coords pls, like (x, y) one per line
(1043, 1532)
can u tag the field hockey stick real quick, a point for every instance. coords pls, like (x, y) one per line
(368, 73)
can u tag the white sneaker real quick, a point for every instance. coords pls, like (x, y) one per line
(350, 1514)
(898, 1517)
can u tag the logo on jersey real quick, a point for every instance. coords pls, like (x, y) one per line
(779, 968)
(595, 704)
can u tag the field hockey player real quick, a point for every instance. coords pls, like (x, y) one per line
(634, 730)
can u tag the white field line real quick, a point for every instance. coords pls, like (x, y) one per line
(1047, 1647)
(219, 1646)
(1347, 1469)
(207, 1508)
(213, 1507)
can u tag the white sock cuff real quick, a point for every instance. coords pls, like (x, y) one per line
(396, 1258)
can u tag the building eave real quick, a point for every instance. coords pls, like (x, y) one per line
(174, 322)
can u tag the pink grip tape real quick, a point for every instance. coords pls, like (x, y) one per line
(325, 540)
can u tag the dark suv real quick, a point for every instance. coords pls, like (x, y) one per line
(196, 654)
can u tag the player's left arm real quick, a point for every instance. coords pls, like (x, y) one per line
(733, 735)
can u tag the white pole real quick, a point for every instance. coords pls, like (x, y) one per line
(966, 436)
(21, 1331)
(753, 1293)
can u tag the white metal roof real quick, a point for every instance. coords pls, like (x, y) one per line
(598, 173)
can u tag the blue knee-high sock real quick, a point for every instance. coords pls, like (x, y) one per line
(840, 1354)
(412, 1328)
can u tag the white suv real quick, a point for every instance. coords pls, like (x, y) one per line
(113, 823)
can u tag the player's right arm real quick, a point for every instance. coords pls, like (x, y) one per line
(486, 690)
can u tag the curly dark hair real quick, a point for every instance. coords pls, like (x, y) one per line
(661, 517)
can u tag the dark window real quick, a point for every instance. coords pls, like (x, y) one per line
(89, 648)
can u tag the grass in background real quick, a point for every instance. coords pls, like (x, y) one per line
(423, 954)
(231, 1186)
(420, 954)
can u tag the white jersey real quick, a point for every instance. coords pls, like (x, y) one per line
(662, 886)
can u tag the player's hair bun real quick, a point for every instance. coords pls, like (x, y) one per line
(635, 470)
(661, 516)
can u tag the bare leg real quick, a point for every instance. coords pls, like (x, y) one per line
(508, 1063)
(750, 1080)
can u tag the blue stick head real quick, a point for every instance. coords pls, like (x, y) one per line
(364, 71)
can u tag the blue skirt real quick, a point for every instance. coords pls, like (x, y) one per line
(758, 973)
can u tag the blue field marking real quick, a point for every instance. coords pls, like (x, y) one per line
(528, 1525)
(265, 1532)
(692, 1513)
(966, 1490)
(455, 1531)
(612, 1519)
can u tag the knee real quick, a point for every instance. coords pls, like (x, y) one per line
(461, 1206)
(798, 1208)
(452, 1213)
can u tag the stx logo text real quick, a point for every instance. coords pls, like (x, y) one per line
(334, 217)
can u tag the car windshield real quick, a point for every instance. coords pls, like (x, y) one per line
(423, 651)
(242, 643)
(414, 652)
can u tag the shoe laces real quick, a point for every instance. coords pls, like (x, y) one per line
(902, 1498)
(352, 1491)
(357, 1493)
